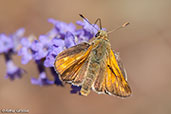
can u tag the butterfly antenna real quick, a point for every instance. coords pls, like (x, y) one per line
(100, 24)
(124, 25)
(87, 21)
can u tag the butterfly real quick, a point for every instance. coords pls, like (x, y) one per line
(94, 66)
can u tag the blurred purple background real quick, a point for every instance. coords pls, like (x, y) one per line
(144, 46)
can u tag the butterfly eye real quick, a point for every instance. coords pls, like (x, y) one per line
(98, 33)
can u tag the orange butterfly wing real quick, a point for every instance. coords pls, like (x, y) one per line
(112, 80)
(115, 82)
(72, 62)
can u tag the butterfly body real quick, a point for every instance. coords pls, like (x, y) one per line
(93, 65)
(96, 60)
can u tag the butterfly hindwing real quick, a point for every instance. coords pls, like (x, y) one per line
(81, 74)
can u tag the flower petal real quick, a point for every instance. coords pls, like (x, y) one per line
(69, 40)
(13, 71)
(42, 80)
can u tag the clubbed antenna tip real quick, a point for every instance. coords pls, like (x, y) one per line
(125, 24)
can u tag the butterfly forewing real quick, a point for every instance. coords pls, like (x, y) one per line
(111, 78)
(115, 82)
(69, 62)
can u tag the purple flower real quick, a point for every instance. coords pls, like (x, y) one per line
(6, 43)
(75, 89)
(89, 30)
(13, 71)
(50, 58)
(69, 40)
(44, 49)
(26, 55)
(57, 46)
(25, 42)
(81, 36)
(63, 27)
(57, 42)
(52, 33)
(25, 51)
(11, 42)
(16, 38)
(40, 47)
(42, 80)
(38, 51)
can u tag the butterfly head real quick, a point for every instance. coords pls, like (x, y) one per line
(101, 33)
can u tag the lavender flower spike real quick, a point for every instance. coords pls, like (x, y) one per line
(44, 49)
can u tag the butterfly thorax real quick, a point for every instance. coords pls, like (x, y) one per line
(101, 44)
(101, 47)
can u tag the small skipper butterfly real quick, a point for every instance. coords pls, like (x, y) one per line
(93, 65)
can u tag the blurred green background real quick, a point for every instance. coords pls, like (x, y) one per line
(144, 46)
